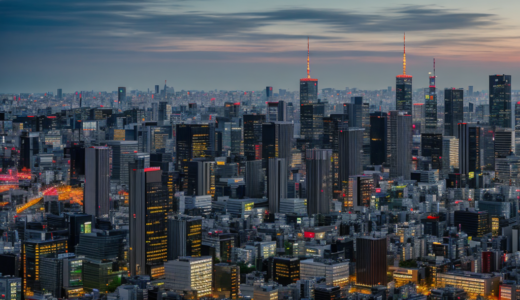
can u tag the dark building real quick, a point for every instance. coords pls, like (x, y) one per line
(311, 120)
(453, 110)
(97, 181)
(253, 136)
(403, 93)
(286, 270)
(371, 261)
(469, 150)
(325, 292)
(378, 137)
(156, 89)
(277, 141)
(193, 141)
(226, 280)
(319, 181)
(474, 223)
(332, 127)
(231, 110)
(59, 94)
(148, 230)
(431, 146)
(76, 153)
(121, 94)
(29, 148)
(268, 92)
(500, 101)
(431, 104)
(184, 236)
(350, 159)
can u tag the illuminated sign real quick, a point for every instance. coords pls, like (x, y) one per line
(309, 235)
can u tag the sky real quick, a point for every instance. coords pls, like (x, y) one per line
(247, 45)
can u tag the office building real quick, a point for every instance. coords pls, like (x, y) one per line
(192, 141)
(378, 138)
(97, 181)
(431, 103)
(184, 236)
(360, 189)
(325, 292)
(371, 261)
(190, 273)
(504, 142)
(500, 101)
(253, 136)
(473, 223)
(10, 287)
(276, 182)
(277, 141)
(33, 251)
(311, 121)
(102, 245)
(276, 111)
(453, 110)
(469, 150)
(268, 92)
(350, 157)
(418, 118)
(450, 154)
(319, 181)
(254, 178)
(201, 178)
(332, 127)
(431, 147)
(100, 275)
(474, 284)
(30, 147)
(286, 270)
(336, 273)
(59, 94)
(122, 153)
(77, 162)
(148, 229)
(121, 95)
(226, 280)
(399, 144)
(156, 89)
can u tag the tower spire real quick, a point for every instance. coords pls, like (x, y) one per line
(308, 60)
(404, 53)
(434, 67)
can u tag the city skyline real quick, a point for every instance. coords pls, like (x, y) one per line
(231, 45)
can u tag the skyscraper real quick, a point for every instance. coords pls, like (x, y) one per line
(193, 141)
(378, 137)
(121, 94)
(371, 261)
(431, 146)
(184, 236)
(332, 126)
(148, 214)
(309, 115)
(268, 93)
(431, 103)
(469, 150)
(156, 89)
(122, 153)
(399, 152)
(311, 121)
(253, 136)
(500, 100)
(97, 181)
(350, 158)
(59, 94)
(276, 182)
(319, 181)
(277, 141)
(276, 111)
(403, 89)
(453, 110)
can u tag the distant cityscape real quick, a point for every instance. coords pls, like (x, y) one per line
(407, 192)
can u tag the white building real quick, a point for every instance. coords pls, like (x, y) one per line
(189, 274)
(336, 273)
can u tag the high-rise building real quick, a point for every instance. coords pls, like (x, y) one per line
(431, 146)
(276, 182)
(121, 94)
(276, 111)
(431, 103)
(309, 115)
(33, 251)
(319, 181)
(473, 223)
(193, 141)
(97, 181)
(360, 189)
(59, 94)
(418, 118)
(286, 270)
(190, 274)
(184, 236)
(336, 273)
(332, 126)
(201, 178)
(77, 162)
(378, 137)
(453, 110)
(30, 146)
(156, 89)
(311, 121)
(122, 153)
(148, 214)
(517, 115)
(469, 150)
(350, 158)
(399, 154)
(500, 101)
(403, 89)
(450, 155)
(268, 92)
(226, 280)
(504, 142)
(253, 136)
(231, 110)
(371, 261)
(165, 110)
(277, 141)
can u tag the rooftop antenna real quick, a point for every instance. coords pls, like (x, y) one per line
(308, 60)
(434, 67)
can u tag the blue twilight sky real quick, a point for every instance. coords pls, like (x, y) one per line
(247, 45)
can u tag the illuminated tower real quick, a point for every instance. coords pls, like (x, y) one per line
(403, 89)
(500, 100)
(309, 110)
(431, 104)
